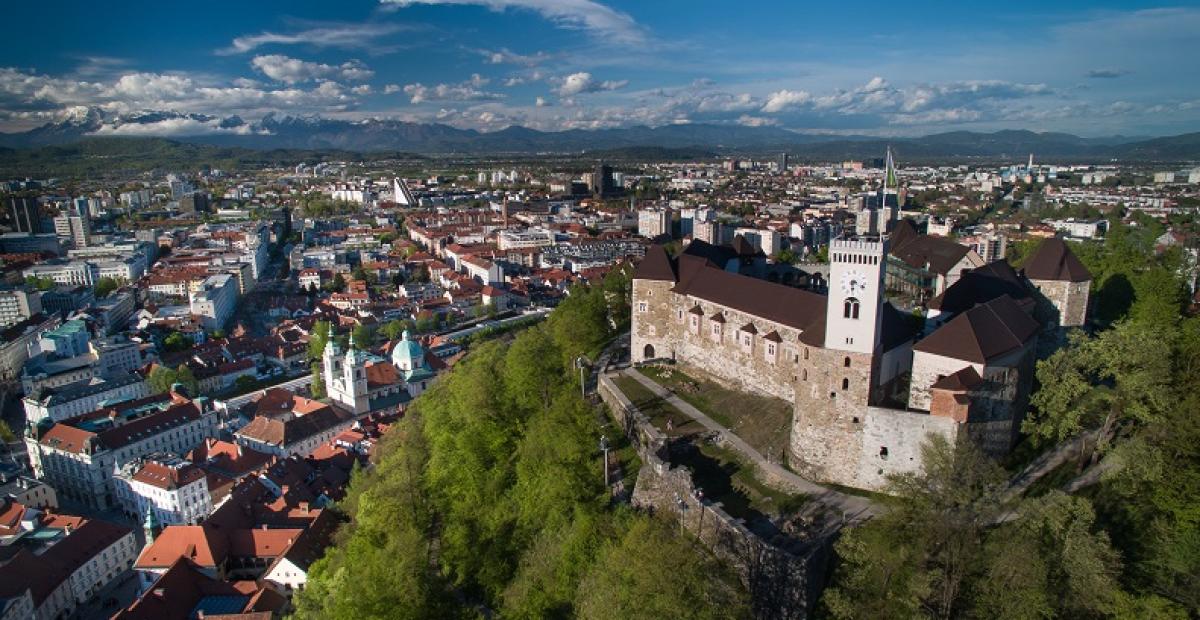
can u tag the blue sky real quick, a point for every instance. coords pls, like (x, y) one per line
(895, 68)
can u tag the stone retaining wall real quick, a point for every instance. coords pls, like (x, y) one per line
(782, 584)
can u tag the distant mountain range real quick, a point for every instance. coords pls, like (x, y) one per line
(290, 132)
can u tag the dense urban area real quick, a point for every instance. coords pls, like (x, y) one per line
(561, 386)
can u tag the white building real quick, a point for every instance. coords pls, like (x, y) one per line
(521, 239)
(75, 228)
(72, 273)
(80, 456)
(1080, 229)
(654, 222)
(216, 300)
(73, 400)
(173, 489)
(767, 240)
(16, 305)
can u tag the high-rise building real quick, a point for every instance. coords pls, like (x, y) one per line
(782, 164)
(602, 181)
(654, 222)
(25, 214)
(74, 227)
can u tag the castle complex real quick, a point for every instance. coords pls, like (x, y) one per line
(869, 382)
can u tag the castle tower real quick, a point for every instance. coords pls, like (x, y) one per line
(854, 313)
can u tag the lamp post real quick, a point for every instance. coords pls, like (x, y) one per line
(580, 363)
(683, 507)
(604, 449)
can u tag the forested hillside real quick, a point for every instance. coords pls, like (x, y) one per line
(489, 498)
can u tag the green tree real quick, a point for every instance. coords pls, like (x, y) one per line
(317, 339)
(245, 383)
(161, 379)
(6, 433)
(1052, 561)
(176, 341)
(362, 337)
(317, 387)
(104, 286)
(392, 330)
(654, 573)
(185, 377)
(937, 523)
(1119, 378)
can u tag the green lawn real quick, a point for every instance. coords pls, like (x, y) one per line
(761, 421)
(657, 409)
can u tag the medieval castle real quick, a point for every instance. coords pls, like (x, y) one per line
(869, 382)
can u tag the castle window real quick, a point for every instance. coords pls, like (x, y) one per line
(845, 384)
(850, 308)
(679, 315)
(804, 375)
(805, 352)
(641, 306)
(883, 452)
(846, 362)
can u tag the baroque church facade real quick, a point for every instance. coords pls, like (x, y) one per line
(869, 383)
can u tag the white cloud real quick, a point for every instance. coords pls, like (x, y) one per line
(171, 127)
(292, 70)
(361, 89)
(504, 56)
(781, 100)
(596, 18)
(756, 121)
(342, 36)
(582, 82)
(541, 102)
(391, 89)
(469, 90)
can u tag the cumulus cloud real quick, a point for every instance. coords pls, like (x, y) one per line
(469, 90)
(342, 36)
(391, 89)
(541, 102)
(593, 17)
(293, 70)
(582, 82)
(781, 100)
(172, 127)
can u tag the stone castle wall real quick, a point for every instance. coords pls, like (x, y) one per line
(1070, 299)
(782, 583)
(831, 401)
(662, 319)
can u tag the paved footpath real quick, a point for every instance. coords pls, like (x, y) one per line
(853, 507)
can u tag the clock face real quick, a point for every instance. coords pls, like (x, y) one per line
(854, 282)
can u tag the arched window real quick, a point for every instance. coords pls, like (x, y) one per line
(804, 375)
(850, 308)
(846, 362)
(845, 384)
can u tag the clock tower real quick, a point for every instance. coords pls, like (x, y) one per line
(854, 307)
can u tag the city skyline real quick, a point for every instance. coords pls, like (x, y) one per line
(1094, 69)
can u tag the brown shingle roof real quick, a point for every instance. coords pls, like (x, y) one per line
(791, 307)
(655, 266)
(939, 254)
(982, 333)
(1054, 260)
